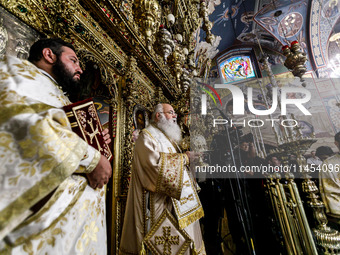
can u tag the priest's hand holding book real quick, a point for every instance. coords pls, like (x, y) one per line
(85, 122)
(103, 171)
(106, 136)
(101, 174)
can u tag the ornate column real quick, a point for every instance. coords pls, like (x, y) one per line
(128, 94)
(126, 144)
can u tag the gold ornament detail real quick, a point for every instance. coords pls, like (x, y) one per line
(48, 17)
(167, 240)
(176, 61)
(147, 13)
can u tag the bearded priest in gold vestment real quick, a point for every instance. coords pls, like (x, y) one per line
(163, 207)
(52, 197)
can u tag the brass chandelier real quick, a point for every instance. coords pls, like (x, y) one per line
(169, 32)
(295, 60)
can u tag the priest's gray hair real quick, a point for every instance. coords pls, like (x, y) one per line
(158, 108)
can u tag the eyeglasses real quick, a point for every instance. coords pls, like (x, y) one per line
(170, 112)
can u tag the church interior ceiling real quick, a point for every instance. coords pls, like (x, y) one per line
(273, 24)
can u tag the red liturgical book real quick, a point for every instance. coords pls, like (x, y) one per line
(85, 122)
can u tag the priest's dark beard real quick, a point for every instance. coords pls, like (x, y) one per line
(66, 80)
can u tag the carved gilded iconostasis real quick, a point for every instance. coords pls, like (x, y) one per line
(134, 54)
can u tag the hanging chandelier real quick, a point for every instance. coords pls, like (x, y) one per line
(295, 60)
(164, 44)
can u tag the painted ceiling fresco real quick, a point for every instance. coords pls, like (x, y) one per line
(230, 19)
(273, 22)
(232, 24)
(324, 17)
(286, 21)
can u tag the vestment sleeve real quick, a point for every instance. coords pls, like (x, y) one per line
(89, 161)
(330, 187)
(158, 171)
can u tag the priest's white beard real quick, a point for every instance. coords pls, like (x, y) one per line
(170, 128)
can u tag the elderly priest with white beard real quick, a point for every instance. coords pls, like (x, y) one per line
(163, 207)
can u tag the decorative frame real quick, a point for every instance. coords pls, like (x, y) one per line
(138, 112)
(16, 37)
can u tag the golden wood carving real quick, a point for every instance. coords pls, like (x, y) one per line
(48, 17)
(119, 28)
(176, 61)
(147, 14)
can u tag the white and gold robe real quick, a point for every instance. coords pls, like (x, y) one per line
(40, 154)
(157, 180)
(329, 179)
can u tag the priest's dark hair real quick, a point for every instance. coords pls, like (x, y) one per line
(55, 44)
(324, 150)
(337, 137)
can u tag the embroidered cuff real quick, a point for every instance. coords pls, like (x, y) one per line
(90, 160)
